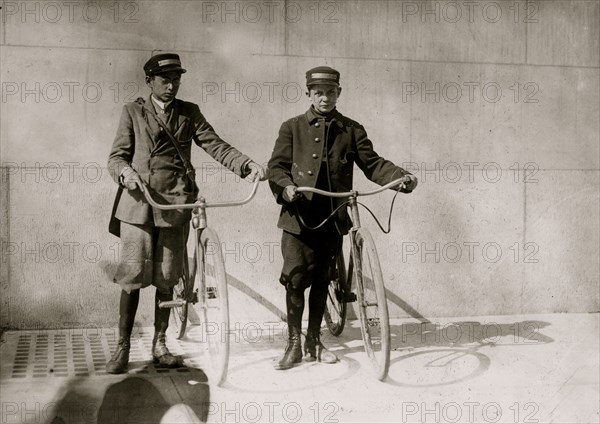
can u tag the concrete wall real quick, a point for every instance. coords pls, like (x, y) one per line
(493, 104)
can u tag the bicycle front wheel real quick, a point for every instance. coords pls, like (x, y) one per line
(211, 283)
(335, 310)
(372, 303)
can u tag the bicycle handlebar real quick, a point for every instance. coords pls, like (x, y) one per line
(402, 180)
(148, 196)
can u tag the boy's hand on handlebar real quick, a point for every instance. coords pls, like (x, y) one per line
(410, 185)
(130, 179)
(256, 171)
(290, 194)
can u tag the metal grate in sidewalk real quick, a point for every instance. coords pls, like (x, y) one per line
(77, 353)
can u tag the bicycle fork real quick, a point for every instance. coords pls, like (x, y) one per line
(352, 202)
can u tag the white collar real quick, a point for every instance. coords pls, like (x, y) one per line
(162, 105)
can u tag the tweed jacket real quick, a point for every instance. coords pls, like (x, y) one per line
(297, 156)
(142, 144)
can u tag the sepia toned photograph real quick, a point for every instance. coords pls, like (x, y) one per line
(299, 211)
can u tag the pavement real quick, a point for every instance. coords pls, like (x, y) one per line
(506, 369)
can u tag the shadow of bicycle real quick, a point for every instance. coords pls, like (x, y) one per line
(437, 354)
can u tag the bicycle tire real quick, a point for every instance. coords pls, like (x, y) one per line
(213, 304)
(336, 306)
(372, 303)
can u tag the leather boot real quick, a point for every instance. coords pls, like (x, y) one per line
(293, 350)
(315, 351)
(119, 361)
(160, 352)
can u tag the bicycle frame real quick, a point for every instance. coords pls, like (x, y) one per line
(361, 247)
(353, 195)
(194, 287)
(199, 207)
(352, 201)
(199, 218)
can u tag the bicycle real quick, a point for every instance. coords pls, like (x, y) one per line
(204, 286)
(364, 271)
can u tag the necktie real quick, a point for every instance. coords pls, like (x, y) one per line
(163, 115)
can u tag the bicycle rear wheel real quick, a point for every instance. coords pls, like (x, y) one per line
(372, 303)
(213, 304)
(335, 309)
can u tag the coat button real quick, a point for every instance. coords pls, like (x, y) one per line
(317, 125)
(310, 172)
(314, 155)
(317, 139)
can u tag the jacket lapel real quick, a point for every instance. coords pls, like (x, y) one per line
(177, 119)
(152, 128)
(156, 137)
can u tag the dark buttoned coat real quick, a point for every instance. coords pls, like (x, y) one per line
(142, 144)
(297, 156)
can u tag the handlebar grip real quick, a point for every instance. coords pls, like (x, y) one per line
(406, 180)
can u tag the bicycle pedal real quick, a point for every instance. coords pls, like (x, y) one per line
(178, 303)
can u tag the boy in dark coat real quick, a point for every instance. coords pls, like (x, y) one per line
(153, 241)
(318, 149)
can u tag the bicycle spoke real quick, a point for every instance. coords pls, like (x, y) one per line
(334, 305)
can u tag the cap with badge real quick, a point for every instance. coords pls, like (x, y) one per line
(322, 75)
(163, 63)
